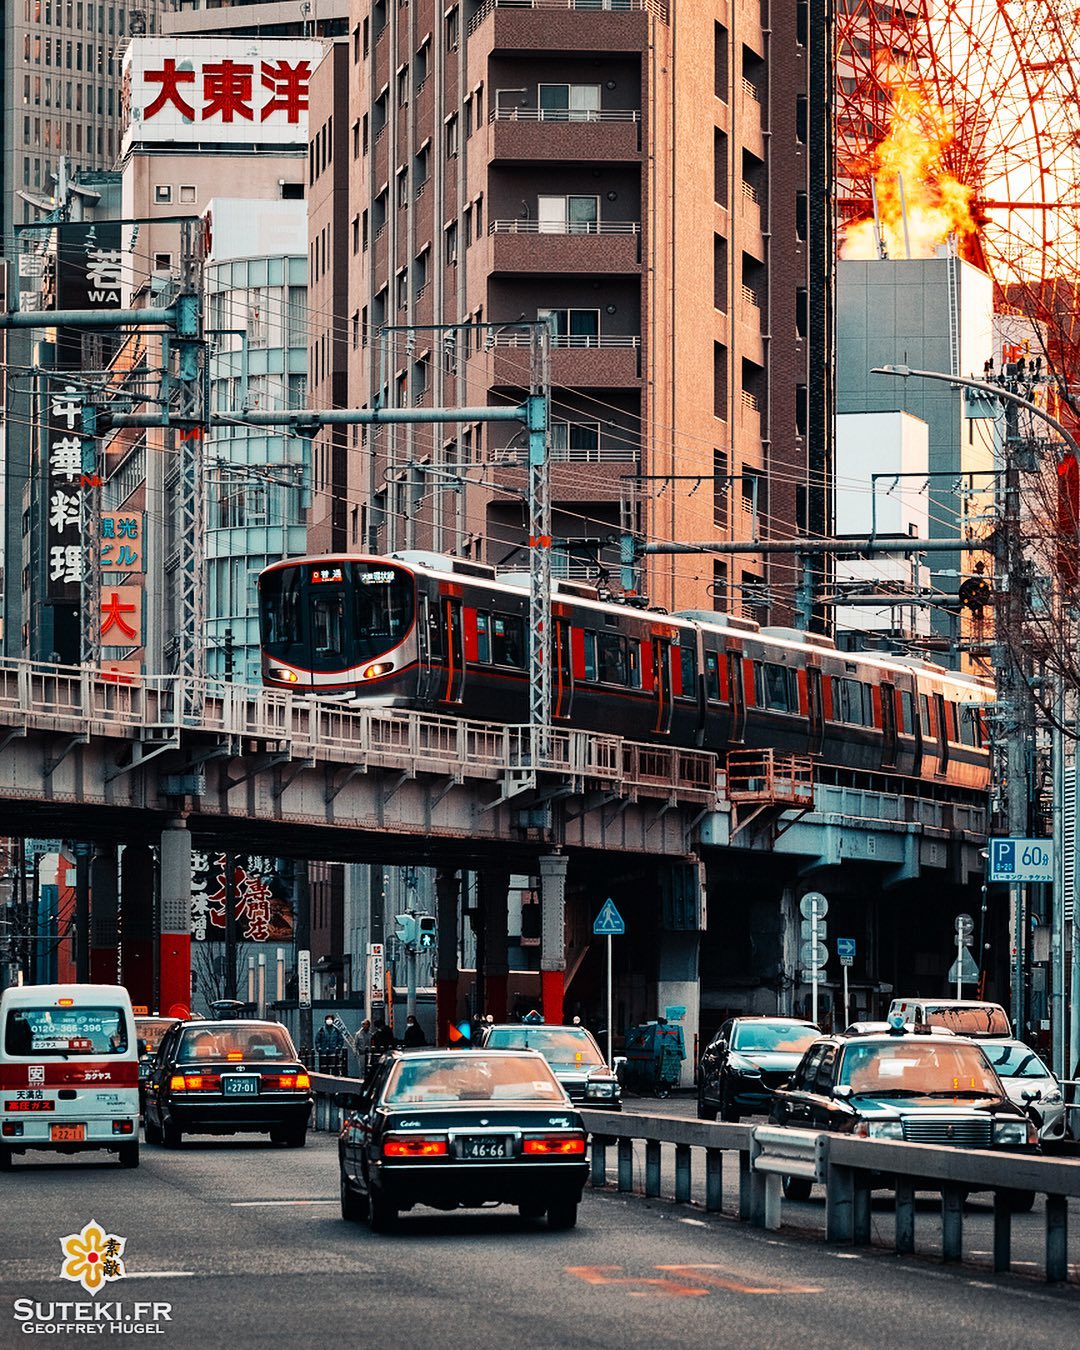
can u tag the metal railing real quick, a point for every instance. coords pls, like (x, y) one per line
(520, 226)
(575, 340)
(656, 8)
(564, 115)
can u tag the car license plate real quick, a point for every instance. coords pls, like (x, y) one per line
(241, 1085)
(67, 1134)
(485, 1146)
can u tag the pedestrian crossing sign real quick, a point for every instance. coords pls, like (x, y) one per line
(609, 922)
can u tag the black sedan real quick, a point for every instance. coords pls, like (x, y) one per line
(150, 1032)
(573, 1054)
(746, 1061)
(922, 1089)
(227, 1078)
(462, 1129)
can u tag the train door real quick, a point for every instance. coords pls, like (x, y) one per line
(816, 710)
(888, 726)
(662, 684)
(564, 671)
(942, 733)
(737, 694)
(326, 626)
(429, 649)
(455, 649)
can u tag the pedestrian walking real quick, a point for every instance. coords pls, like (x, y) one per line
(330, 1046)
(414, 1034)
(362, 1045)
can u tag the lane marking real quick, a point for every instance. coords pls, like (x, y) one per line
(695, 1223)
(727, 1280)
(253, 1204)
(158, 1274)
(845, 1256)
(658, 1287)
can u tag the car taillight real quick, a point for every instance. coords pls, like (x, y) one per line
(123, 1127)
(555, 1143)
(862, 1129)
(415, 1146)
(290, 1082)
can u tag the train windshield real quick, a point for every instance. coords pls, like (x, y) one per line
(330, 617)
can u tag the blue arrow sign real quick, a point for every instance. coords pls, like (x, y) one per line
(609, 922)
(845, 946)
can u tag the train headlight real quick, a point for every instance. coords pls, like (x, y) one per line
(379, 668)
(280, 673)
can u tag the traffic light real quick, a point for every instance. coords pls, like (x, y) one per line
(405, 929)
(425, 931)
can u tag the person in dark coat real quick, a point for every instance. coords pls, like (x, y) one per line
(414, 1034)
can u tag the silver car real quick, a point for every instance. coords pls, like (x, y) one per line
(1030, 1084)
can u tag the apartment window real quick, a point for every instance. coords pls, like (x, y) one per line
(162, 262)
(754, 395)
(802, 22)
(802, 117)
(356, 234)
(381, 111)
(755, 598)
(356, 328)
(721, 489)
(402, 86)
(573, 327)
(478, 103)
(402, 286)
(402, 187)
(356, 44)
(565, 215)
(467, 217)
(420, 271)
(420, 169)
(379, 218)
(356, 139)
(364, 231)
(720, 273)
(719, 590)
(478, 215)
(451, 242)
(419, 379)
(720, 381)
(569, 102)
(721, 71)
(802, 216)
(801, 408)
(451, 136)
(420, 65)
(378, 308)
(753, 74)
(452, 29)
(366, 36)
(187, 192)
(720, 167)
(575, 440)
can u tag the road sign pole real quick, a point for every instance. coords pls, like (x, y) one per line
(814, 982)
(845, 969)
(960, 948)
(609, 1058)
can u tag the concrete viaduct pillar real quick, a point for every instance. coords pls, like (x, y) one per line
(174, 969)
(447, 887)
(137, 924)
(494, 884)
(553, 935)
(104, 915)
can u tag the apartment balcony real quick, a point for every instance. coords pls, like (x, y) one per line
(577, 361)
(608, 246)
(567, 135)
(564, 25)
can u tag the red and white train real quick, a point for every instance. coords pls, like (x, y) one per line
(432, 633)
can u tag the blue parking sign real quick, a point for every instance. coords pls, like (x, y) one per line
(1002, 857)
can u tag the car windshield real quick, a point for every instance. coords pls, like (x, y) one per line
(918, 1068)
(66, 1031)
(558, 1045)
(1013, 1059)
(243, 1042)
(778, 1038)
(151, 1030)
(471, 1077)
(971, 1019)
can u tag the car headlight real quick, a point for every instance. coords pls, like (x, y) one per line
(1053, 1099)
(601, 1088)
(743, 1067)
(885, 1129)
(1010, 1132)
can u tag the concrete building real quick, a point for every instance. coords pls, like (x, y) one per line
(929, 314)
(648, 181)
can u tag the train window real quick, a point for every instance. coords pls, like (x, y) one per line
(611, 649)
(483, 636)
(924, 715)
(633, 664)
(282, 613)
(688, 660)
(775, 687)
(907, 712)
(328, 627)
(590, 655)
(382, 600)
(507, 640)
(951, 721)
(852, 702)
(712, 677)
(969, 728)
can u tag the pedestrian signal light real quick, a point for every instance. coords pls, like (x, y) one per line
(425, 930)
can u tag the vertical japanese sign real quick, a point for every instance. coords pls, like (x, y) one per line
(89, 266)
(121, 616)
(264, 911)
(63, 468)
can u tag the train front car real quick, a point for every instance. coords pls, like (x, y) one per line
(343, 628)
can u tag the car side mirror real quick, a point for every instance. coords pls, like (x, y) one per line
(1031, 1095)
(721, 1045)
(350, 1101)
(843, 1091)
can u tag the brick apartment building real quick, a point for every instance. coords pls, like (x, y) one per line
(660, 184)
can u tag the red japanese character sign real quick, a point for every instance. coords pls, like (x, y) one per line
(239, 91)
(120, 616)
(263, 913)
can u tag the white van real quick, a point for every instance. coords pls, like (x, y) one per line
(964, 1016)
(69, 1071)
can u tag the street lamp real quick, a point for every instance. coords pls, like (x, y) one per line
(1008, 674)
